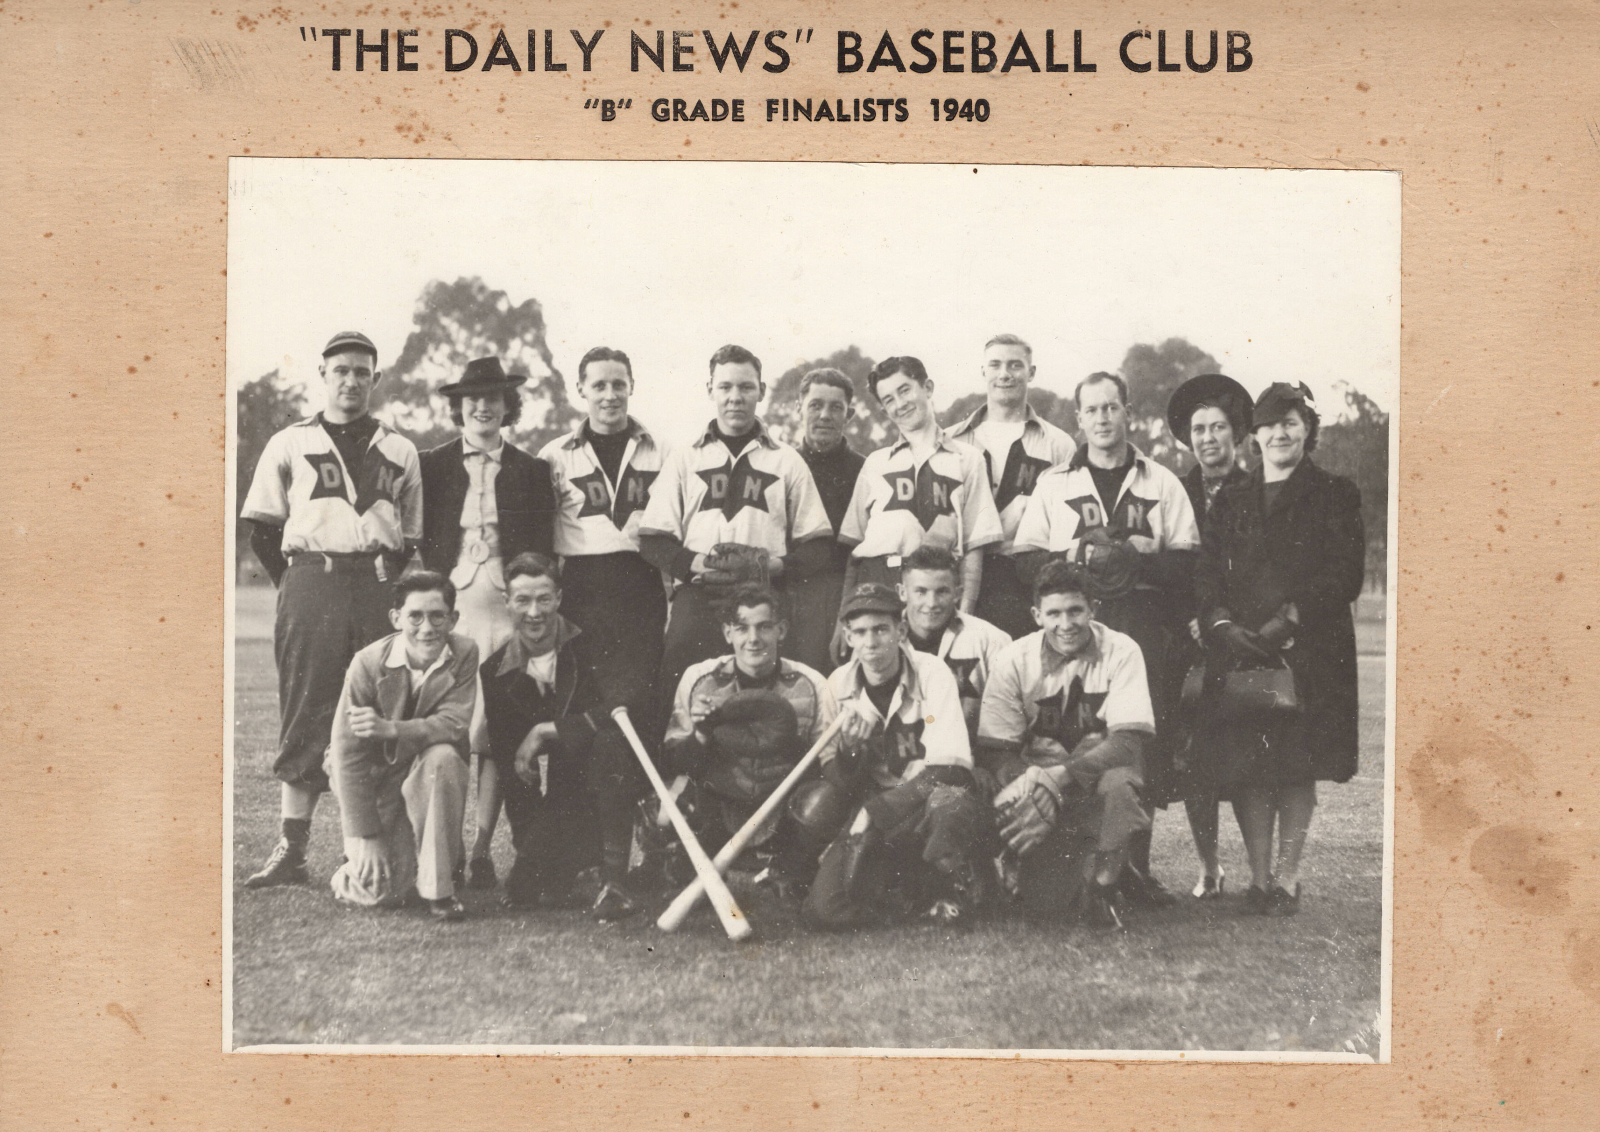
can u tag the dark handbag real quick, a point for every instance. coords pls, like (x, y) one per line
(1245, 693)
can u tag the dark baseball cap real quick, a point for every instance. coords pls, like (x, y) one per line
(1276, 401)
(871, 597)
(349, 340)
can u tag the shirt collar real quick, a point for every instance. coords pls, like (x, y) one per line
(396, 657)
(1051, 661)
(1080, 458)
(1030, 419)
(710, 435)
(517, 656)
(470, 449)
(942, 441)
(579, 436)
(908, 674)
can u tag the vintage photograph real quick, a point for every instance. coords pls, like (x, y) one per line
(730, 607)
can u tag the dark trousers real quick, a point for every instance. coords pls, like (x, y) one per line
(584, 819)
(1051, 878)
(1144, 616)
(1003, 598)
(813, 615)
(328, 610)
(619, 602)
(909, 837)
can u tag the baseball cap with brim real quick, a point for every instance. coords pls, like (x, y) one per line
(1276, 401)
(482, 375)
(347, 340)
(1207, 389)
(871, 597)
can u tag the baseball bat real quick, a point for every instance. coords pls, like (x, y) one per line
(733, 920)
(685, 901)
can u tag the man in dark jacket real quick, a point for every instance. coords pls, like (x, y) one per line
(570, 778)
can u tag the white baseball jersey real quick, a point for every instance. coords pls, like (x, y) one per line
(900, 504)
(1036, 694)
(764, 498)
(301, 483)
(924, 725)
(1152, 509)
(969, 646)
(596, 515)
(1041, 447)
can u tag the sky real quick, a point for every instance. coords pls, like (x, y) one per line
(1281, 275)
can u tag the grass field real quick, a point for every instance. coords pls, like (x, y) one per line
(1199, 977)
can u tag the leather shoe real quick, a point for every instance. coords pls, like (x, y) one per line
(447, 909)
(287, 865)
(480, 874)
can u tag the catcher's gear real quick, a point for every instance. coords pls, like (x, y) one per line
(820, 808)
(1111, 563)
(754, 742)
(1029, 806)
(734, 564)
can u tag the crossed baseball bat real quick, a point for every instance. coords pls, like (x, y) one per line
(708, 873)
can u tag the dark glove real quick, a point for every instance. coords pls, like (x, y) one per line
(1112, 563)
(1240, 642)
(1277, 632)
(732, 564)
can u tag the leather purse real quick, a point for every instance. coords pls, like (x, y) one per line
(1260, 694)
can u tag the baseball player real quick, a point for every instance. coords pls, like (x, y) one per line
(336, 508)
(1065, 721)
(398, 761)
(735, 506)
(900, 777)
(1018, 447)
(924, 488)
(739, 724)
(1128, 521)
(1210, 414)
(825, 410)
(930, 586)
(570, 779)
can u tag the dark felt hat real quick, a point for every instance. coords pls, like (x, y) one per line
(482, 375)
(347, 340)
(1278, 398)
(871, 597)
(1207, 389)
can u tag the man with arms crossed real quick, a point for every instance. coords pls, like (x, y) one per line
(398, 763)
(735, 506)
(1018, 447)
(1066, 717)
(897, 786)
(825, 409)
(336, 510)
(1128, 521)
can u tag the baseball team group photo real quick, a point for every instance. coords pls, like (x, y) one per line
(810, 608)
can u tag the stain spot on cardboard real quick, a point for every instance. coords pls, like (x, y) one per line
(1519, 871)
(116, 1011)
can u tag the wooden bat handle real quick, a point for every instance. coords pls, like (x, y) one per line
(733, 920)
(685, 901)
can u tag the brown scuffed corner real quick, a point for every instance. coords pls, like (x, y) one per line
(1520, 873)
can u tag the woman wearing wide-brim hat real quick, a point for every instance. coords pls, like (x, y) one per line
(484, 501)
(1282, 559)
(1209, 415)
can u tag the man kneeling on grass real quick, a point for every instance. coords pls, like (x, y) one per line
(901, 775)
(398, 760)
(1066, 713)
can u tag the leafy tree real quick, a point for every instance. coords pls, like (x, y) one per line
(265, 406)
(1354, 442)
(1058, 410)
(868, 429)
(453, 324)
(1153, 373)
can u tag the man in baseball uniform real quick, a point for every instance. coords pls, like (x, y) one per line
(398, 760)
(1127, 520)
(900, 777)
(1065, 721)
(735, 506)
(930, 585)
(740, 722)
(922, 489)
(1018, 447)
(336, 506)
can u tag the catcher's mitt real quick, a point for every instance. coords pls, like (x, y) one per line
(755, 741)
(734, 564)
(1111, 563)
(1029, 806)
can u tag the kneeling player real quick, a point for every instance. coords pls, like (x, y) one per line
(901, 775)
(1066, 714)
(398, 760)
(739, 725)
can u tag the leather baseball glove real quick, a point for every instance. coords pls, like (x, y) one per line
(1112, 563)
(733, 564)
(1028, 806)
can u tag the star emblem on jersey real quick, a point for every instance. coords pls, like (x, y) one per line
(379, 479)
(1021, 472)
(926, 494)
(633, 492)
(1070, 714)
(330, 476)
(894, 748)
(733, 487)
(1131, 515)
(962, 669)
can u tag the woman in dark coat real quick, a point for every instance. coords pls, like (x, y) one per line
(484, 501)
(1282, 559)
